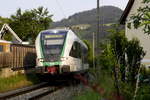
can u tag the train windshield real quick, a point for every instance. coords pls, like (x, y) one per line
(53, 44)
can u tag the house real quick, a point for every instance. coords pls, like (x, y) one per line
(4, 46)
(16, 56)
(144, 39)
(81, 26)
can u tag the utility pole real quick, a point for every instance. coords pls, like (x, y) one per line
(93, 50)
(98, 22)
(98, 30)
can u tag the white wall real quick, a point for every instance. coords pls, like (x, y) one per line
(138, 33)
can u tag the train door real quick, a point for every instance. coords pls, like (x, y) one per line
(75, 55)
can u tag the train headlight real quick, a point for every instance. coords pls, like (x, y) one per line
(65, 68)
(41, 60)
(63, 58)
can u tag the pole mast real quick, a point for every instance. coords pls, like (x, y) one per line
(98, 21)
(93, 50)
(98, 29)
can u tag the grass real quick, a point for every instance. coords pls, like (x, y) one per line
(143, 92)
(88, 95)
(17, 81)
(105, 81)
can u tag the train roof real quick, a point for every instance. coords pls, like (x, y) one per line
(56, 30)
(66, 30)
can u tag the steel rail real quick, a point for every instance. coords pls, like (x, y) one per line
(20, 91)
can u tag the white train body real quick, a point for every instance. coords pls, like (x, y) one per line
(60, 51)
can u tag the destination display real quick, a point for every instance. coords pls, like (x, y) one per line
(53, 36)
(54, 42)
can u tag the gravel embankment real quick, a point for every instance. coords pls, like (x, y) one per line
(66, 93)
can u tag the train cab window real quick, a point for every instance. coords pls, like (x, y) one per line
(75, 50)
(1, 48)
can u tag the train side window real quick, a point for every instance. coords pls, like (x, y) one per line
(1, 48)
(76, 50)
(79, 50)
(72, 51)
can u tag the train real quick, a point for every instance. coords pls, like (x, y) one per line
(60, 51)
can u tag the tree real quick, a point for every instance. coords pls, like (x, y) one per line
(29, 23)
(142, 18)
(113, 59)
(90, 53)
(135, 54)
(119, 44)
(3, 21)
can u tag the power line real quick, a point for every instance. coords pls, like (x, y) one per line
(63, 13)
(61, 9)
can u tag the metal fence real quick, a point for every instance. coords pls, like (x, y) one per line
(20, 56)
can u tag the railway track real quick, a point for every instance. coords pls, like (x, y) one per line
(38, 91)
(30, 93)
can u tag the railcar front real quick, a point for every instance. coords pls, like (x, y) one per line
(49, 47)
(60, 51)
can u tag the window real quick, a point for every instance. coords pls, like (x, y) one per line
(75, 50)
(52, 44)
(84, 55)
(1, 48)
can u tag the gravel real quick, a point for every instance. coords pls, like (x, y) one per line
(66, 93)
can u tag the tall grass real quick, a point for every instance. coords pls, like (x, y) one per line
(104, 81)
(17, 81)
(88, 95)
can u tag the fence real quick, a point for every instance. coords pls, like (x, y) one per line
(20, 56)
(5, 59)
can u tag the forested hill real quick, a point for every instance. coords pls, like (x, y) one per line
(85, 22)
(108, 14)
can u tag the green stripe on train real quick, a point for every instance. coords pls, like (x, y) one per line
(63, 50)
(51, 63)
(41, 49)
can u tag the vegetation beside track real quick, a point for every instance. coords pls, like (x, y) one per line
(116, 75)
(104, 81)
(87, 95)
(17, 81)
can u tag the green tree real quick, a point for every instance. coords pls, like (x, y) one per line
(142, 18)
(109, 63)
(135, 54)
(3, 21)
(90, 53)
(119, 43)
(29, 23)
(113, 58)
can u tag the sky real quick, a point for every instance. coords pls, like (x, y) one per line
(58, 8)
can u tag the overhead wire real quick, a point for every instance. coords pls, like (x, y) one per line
(63, 13)
(61, 9)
